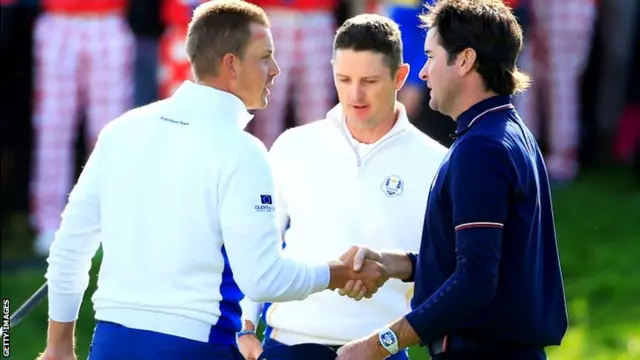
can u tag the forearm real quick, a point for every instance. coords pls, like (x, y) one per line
(435, 318)
(263, 273)
(61, 336)
(470, 287)
(70, 255)
(398, 264)
(407, 336)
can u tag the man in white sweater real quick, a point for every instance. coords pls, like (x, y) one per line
(180, 198)
(360, 175)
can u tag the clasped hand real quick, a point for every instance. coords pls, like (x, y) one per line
(369, 273)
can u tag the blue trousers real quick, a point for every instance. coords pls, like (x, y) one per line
(402, 355)
(116, 342)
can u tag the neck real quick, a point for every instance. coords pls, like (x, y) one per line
(468, 100)
(369, 135)
(215, 83)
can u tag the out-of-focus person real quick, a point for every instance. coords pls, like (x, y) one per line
(556, 52)
(303, 31)
(83, 57)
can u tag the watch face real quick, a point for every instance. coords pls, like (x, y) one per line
(387, 339)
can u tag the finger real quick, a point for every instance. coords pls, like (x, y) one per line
(350, 253)
(370, 293)
(356, 289)
(358, 260)
(362, 293)
(347, 288)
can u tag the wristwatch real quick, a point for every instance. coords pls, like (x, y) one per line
(244, 332)
(388, 340)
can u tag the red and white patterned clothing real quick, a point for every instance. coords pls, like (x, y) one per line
(83, 62)
(556, 54)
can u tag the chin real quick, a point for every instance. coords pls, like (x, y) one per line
(433, 105)
(258, 105)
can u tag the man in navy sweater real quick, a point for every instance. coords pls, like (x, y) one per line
(488, 282)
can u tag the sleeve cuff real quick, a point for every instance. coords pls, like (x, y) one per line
(251, 311)
(414, 319)
(413, 257)
(64, 307)
(322, 277)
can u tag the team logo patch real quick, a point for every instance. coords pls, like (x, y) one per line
(392, 186)
(266, 204)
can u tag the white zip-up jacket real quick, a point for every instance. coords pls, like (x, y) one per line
(180, 198)
(333, 192)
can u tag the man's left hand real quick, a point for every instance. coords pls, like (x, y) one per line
(362, 349)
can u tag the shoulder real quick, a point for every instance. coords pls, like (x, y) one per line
(246, 146)
(426, 144)
(480, 147)
(304, 136)
(134, 117)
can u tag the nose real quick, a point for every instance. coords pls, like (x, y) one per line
(356, 93)
(423, 72)
(274, 69)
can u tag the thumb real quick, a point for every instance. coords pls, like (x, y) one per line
(358, 260)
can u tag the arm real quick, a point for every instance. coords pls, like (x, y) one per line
(480, 178)
(277, 159)
(399, 264)
(482, 200)
(69, 260)
(252, 238)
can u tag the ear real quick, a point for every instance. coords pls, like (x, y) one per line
(401, 75)
(466, 61)
(230, 64)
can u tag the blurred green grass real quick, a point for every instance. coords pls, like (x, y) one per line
(598, 224)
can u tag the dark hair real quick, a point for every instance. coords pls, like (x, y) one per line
(371, 32)
(490, 28)
(218, 28)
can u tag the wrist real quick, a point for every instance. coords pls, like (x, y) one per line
(398, 265)
(60, 337)
(388, 341)
(248, 325)
(338, 275)
(380, 351)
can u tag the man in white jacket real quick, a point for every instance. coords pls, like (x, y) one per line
(180, 198)
(361, 175)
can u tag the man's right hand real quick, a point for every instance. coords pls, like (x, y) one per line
(396, 263)
(249, 346)
(369, 274)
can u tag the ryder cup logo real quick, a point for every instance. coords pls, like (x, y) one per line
(392, 186)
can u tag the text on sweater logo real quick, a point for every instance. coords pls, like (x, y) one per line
(266, 204)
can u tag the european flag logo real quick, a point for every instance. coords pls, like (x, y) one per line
(266, 200)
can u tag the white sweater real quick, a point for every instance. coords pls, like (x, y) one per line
(179, 196)
(333, 193)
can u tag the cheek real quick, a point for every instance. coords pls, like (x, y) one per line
(437, 75)
(343, 92)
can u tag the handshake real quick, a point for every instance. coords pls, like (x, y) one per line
(359, 273)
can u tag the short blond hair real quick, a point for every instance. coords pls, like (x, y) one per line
(217, 28)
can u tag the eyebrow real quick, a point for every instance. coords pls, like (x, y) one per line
(370, 77)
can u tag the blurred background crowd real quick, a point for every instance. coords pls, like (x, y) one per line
(71, 66)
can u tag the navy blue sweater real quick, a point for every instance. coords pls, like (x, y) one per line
(488, 266)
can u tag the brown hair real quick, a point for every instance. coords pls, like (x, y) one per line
(370, 32)
(217, 28)
(491, 29)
